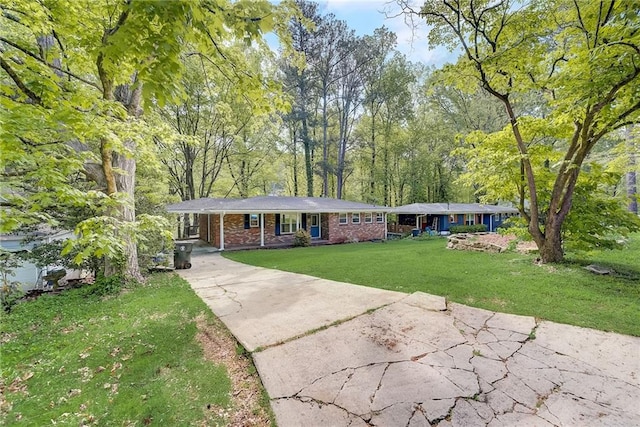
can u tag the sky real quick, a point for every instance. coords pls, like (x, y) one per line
(364, 16)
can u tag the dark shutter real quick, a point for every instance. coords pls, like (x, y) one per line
(277, 224)
(247, 221)
(304, 221)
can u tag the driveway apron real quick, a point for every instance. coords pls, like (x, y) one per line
(337, 354)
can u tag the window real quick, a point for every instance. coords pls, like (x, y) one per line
(355, 218)
(368, 218)
(379, 217)
(288, 223)
(342, 218)
(452, 219)
(254, 220)
(315, 220)
(469, 219)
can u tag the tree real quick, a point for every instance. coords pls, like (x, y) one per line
(75, 75)
(582, 57)
(298, 81)
(381, 45)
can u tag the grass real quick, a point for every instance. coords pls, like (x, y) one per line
(507, 282)
(130, 359)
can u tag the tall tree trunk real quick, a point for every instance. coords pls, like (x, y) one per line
(294, 146)
(372, 172)
(124, 181)
(325, 147)
(306, 142)
(632, 188)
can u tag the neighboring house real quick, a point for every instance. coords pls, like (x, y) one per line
(28, 275)
(440, 216)
(273, 220)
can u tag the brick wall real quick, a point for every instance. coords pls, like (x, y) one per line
(340, 233)
(236, 235)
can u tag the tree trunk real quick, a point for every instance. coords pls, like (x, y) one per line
(294, 146)
(325, 147)
(306, 142)
(372, 173)
(632, 188)
(125, 180)
(551, 247)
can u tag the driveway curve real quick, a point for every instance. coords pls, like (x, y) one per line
(338, 354)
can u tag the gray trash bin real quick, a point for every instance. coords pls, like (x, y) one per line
(415, 232)
(182, 255)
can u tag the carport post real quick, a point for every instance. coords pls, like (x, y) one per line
(262, 229)
(221, 232)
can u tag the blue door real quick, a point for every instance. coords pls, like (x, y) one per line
(315, 225)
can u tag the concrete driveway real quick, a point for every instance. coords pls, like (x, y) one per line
(337, 354)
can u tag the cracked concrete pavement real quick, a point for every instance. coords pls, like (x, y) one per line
(336, 354)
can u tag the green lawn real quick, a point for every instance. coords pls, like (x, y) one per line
(508, 282)
(130, 359)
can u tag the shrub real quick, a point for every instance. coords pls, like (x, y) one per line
(302, 238)
(477, 228)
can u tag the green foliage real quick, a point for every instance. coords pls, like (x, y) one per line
(76, 75)
(567, 76)
(9, 290)
(598, 219)
(78, 358)
(301, 238)
(475, 228)
(506, 282)
(104, 286)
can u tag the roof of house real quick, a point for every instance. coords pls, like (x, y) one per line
(272, 204)
(451, 208)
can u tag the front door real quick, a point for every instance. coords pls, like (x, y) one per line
(315, 225)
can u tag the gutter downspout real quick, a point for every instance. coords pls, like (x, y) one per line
(262, 229)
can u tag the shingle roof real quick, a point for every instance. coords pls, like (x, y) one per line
(272, 204)
(451, 208)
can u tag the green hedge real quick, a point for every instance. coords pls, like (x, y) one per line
(477, 228)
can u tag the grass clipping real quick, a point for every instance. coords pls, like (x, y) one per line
(250, 404)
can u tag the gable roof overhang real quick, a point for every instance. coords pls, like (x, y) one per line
(272, 204)
(452, 208)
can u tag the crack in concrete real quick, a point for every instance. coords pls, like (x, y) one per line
(306, 399)
(231, 295)
(373, 396)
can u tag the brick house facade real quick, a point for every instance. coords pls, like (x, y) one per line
(237, 234)
(273, 220)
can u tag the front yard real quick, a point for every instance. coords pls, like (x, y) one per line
(508, 282)
(149, 355)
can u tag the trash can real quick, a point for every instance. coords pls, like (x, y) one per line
(415, 232)
(182, 255)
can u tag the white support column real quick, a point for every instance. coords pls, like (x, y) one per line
(221, 232)
(297, 221)
(261, 229)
